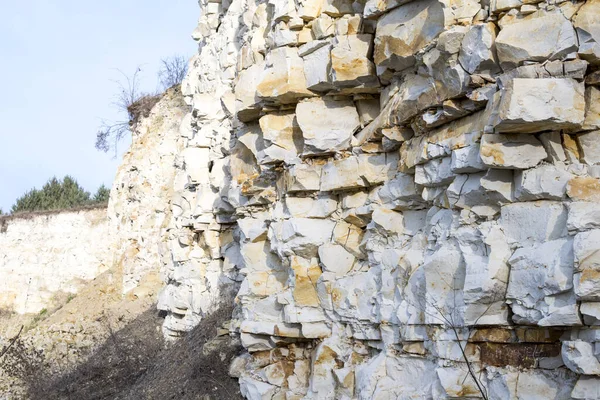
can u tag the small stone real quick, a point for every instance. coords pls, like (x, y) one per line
(583, 215)
(579, 357)
(584, 189)
(589, 145)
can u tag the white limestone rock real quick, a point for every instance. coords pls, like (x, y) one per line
(586, 388)
(334, 258)
(554, 34)
(467, 160)
(303, 177)
(283, 78)
(437, 172)
(592, 108)
(404, 31)
(543, 182)
(282, 137)
(327, 125)
(341, 174)
(583, 215)
(533, 222)
(587, 265)
(589, 144)
(533, 105)
(590, 312)
(350, 61)
(317, 66)
(552, 142)
(482, 193)
(511, 151)
(579, 357)
(588, 31)
(478, 49)
(300, 236)
(540, 287)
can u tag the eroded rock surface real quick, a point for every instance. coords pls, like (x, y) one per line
(439, 213)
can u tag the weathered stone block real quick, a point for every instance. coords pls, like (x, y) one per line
(588, 31)
(404, 31)
(327, 125)
(535, 105)
(283, 79)
(350, 61)
(511, 151)
(554, 36)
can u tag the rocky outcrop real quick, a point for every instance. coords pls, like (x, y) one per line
(46, 257)
(402, 193)
(140, 201)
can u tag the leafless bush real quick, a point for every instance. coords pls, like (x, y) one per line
(172, 72)
(130, 101)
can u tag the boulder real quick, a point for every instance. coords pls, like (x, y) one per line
(511, 151)
(554, 39)
(282, 80)
(542, 182)
(327, 125)
(539, 289)
(478, 50)
(588, 30)
(350, 61)
(402, 32)
(533, 222)
(579, 357)
(282, 136)
(533, 105)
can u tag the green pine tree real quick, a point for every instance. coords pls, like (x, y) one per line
(54, 195)
(102, 195)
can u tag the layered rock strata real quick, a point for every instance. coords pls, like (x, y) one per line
(404, 192)
(47, 256)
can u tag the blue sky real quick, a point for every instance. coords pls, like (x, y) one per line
(59, 58)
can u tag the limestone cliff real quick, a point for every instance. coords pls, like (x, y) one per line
(405, 192)
(45, 256)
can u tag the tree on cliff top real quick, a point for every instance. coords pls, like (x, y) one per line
(57, 195)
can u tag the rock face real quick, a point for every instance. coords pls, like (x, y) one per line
(394, 193)
(140, 200)
(47, 255)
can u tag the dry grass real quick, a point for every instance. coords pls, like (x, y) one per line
(134, 364)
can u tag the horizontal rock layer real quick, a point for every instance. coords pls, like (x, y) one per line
(399, 196)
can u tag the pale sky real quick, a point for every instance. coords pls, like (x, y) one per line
(58, 60)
